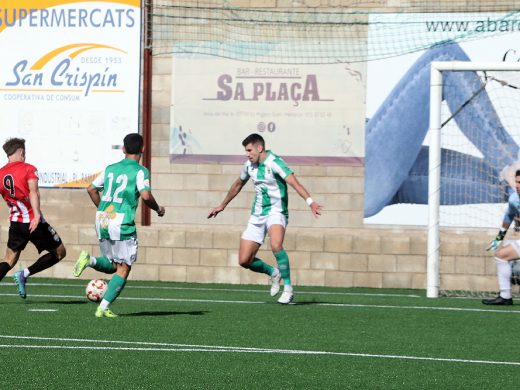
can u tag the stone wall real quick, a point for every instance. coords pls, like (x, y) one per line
(194, 249)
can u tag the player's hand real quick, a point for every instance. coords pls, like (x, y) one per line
(161, 211)
(316, 209)
(493, 245)
(34, 223)
(213, 213)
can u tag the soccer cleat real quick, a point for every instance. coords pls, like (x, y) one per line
(498, 301)
(104, 313)
(82, 263)
(20, 281)
(275, 282)
(286, 297)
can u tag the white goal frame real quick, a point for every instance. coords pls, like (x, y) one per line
(434, 170)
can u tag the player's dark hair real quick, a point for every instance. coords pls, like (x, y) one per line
(253, 139)
(517, 173)
(12, 145)
(133, 143)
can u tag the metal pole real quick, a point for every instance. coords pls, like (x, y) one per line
(434, 183)
(147, 99)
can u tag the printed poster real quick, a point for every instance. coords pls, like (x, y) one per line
(480, 143)
(306, 113)
(69, 83)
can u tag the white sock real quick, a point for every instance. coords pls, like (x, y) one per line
(93, 261)
(26, 273)
(504, 277)
(104, 304)
(288, 288)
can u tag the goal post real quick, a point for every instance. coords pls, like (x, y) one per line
(438, 69)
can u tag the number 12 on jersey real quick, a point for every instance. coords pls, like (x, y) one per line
(121, 183)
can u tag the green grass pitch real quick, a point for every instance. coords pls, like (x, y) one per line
(195, 336)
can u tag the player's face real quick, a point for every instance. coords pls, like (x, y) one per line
(517, 184)
(253, 152)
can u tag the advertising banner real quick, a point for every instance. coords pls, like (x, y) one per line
(69, 83)
(480, 137)
(306, 113)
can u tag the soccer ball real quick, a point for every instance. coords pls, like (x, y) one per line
(96, 290)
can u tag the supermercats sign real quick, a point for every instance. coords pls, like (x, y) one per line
(69, 83)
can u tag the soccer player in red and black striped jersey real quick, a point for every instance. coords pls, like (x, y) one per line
(19, 188)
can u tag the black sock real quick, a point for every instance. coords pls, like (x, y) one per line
(44, 262)
(4, 269)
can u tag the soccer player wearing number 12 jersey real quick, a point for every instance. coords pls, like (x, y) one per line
(269, 214)
(116, 192)
(19, 188)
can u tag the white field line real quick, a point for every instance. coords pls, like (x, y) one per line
(168, 347)
(139, 299)
(340, 305)
(224, 290)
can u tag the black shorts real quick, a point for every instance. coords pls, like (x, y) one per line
(44, 237)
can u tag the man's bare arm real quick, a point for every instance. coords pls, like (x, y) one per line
(150, 201)
(300, 189)
(34, 199)
(94, 195)
(235, 188)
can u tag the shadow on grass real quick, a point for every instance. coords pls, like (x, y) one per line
(66, 302)
(40, 302)
(163, 313)
(312, 303)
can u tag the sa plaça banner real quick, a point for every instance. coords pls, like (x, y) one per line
(306, 113)
(69, 83)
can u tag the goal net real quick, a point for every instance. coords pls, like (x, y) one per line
(301, 32)
(478, 115)
(474, 153)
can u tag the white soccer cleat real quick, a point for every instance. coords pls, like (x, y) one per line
(286, 297)
(275, 282)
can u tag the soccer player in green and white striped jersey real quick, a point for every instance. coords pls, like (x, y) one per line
(269, 213)
(116, 193)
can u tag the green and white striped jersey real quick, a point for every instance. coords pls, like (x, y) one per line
(121, 185)
(270, 186)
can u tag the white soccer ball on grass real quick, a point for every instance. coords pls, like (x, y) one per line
(96, 290)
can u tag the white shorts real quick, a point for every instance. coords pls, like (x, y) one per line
(119, 251)
(257, 227)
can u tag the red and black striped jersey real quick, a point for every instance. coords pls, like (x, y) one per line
(14, 188)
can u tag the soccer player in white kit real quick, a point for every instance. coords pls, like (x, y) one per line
(269, 213)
